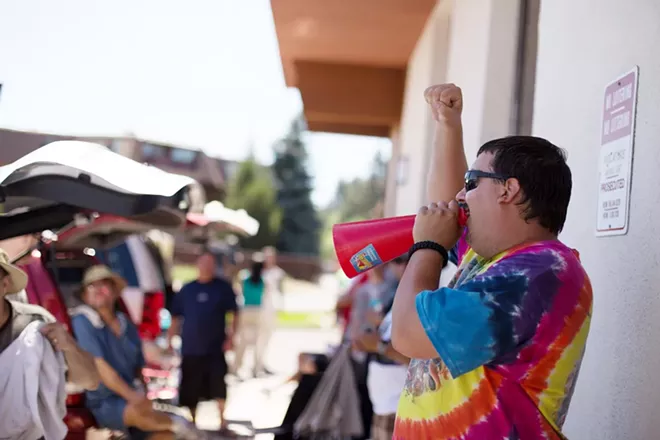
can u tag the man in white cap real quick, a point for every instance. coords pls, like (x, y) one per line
(15, 317)
(114, 342)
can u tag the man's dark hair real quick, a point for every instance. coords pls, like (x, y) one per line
(545, 178)
(3, 273)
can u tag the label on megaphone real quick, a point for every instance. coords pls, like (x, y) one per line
(365, 259)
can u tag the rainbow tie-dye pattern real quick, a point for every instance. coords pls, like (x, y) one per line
(511, 333)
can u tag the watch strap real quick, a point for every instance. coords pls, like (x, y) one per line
(430, 245)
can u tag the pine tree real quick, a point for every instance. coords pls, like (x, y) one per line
(252, 189)
(300, 227)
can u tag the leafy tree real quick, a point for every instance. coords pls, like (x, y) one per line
(300, 228)
(251, 188)
(361, 199)
(358, 199)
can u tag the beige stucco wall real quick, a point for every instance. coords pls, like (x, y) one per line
(617, 394)
(426, 67)
(585, 44)
(482, 59)
(473, 44)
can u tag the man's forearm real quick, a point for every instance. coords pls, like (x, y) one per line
(175, 328)
(82, 369)
(448, 164)
(422, 273)
(235, 323)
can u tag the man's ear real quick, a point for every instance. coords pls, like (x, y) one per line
(511, 191)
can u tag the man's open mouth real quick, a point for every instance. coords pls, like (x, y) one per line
(463, 214)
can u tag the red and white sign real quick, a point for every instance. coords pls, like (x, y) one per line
(616, 154)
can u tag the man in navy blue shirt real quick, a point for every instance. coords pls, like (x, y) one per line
(199, 312)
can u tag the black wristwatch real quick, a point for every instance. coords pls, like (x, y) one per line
(430, 245)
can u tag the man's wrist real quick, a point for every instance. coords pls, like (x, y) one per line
(430, 246)
(428, 255)
(449, 125)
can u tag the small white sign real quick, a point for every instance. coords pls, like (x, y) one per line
(616, 154)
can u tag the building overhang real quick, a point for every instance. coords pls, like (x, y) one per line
(349, 59)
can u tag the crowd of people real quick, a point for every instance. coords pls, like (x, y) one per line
(495, 354)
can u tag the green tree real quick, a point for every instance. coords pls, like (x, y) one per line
(300, 227)
(360, 198)
(355, 200)
(252, 189)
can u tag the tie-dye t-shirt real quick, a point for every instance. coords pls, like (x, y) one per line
(511, 332)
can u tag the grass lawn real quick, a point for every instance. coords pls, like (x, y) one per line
(304, 319)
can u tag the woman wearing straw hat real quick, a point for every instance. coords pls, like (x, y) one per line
(113, 340)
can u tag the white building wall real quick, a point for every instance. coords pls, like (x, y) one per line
(482, 60)
(471, 43)
(427, 66)
(585, 44)
(413, 134)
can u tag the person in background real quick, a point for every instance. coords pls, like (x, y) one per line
(387, 367)
(273, 277)
(199, 313)
(120, 402)
(369, 301)
(15, 317)
(344, 304)
(20, 355)
(251, 333)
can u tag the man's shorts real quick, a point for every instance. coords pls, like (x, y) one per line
(202, 378)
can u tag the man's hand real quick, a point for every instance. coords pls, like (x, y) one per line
(438, 222)
(59, 337)
(446, 101)
(367, 342)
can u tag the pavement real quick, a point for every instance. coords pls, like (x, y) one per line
(263, 401)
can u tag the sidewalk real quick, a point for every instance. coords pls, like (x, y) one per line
(263, 401)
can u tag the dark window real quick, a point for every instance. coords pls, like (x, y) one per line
(182, 156)
(151, 151)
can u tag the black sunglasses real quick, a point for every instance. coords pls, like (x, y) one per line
(472, 178)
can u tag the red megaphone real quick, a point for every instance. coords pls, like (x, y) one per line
(363, 245)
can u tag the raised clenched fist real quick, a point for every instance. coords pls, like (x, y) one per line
(438, 222)
(446, 101)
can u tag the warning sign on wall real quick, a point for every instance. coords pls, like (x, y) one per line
(616, 154)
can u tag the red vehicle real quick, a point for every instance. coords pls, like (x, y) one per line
(64, 186)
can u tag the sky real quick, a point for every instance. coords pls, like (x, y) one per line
(200, 73)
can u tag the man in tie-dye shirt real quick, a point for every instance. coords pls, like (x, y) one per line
(496, 354)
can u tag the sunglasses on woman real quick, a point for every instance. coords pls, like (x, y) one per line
(472, 178)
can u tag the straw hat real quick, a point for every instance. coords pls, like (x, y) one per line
(102, 272)
(18, 278)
